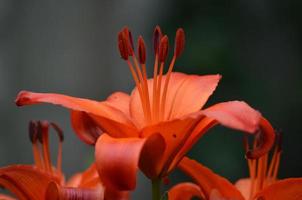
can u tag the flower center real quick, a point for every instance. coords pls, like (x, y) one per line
(153, 102)
(39, 137)
(262, 171)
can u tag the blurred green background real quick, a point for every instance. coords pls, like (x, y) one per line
(70, 47)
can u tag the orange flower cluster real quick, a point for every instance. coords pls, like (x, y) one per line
(151, 130)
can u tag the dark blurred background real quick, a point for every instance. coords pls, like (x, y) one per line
(70, 47)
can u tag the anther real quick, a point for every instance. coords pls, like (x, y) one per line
(157, 35)
(141, 49)
(129, 41)
(279, 140)
(58, 130)
(122, 45)
(42, 128)
(179, 42)
(33, 131)
(163, 49)
(128, 34)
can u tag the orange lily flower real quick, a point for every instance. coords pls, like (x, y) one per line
(43, 181)
(157, 124)
(262, 184)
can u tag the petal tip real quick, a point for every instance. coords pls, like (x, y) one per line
(22, 98)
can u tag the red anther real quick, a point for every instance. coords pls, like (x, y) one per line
(179, 42)
(129, 40)
(58, 130)
(141, 49)
(279, 140)
(33, 131)
(157, 35)
(163, 49)
(42, 129)
(122, 45)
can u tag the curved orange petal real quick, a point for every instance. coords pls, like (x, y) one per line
(117, 159)
(175, 133)
(186, 94)
(107, 115)
(25, 181)
(85, 127)
(233, 114)
(185, 191)
(289, 189)
(210, 183)
(55, 191)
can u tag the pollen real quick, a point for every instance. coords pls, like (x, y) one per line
(153, 102)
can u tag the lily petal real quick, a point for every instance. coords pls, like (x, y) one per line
(88, 129)
(117, 159)
(236, 115)
(289, 189)
(107, 116)
(244, 186)
(85, 127)
(25, 181)
(186, 94)
(209, 182)
(185, 191)
(175, 133)
(120, 101)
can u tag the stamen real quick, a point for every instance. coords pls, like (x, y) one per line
(157, 36)
(158, 92)
(123, 49)
(126, 49)
(142, 59)
(128, 35)
(276, 168)
(179, 42)
(162, 56)
(61, 139)
(141, 49)
(278, 154)
(178, 49)
(141, 75)
(44, 127)
(33, 135)
(163, 49)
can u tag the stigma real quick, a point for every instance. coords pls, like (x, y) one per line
(153, 98)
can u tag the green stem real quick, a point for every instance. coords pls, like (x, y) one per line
(156, 189)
